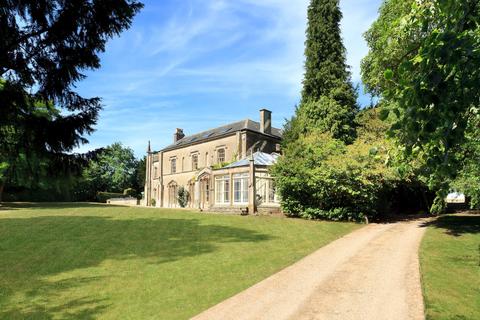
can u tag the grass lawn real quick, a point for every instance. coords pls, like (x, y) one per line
(86, 261)
(450, 264)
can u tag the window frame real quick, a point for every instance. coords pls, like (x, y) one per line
(241, 179)
(195, 162)
(223, 152)
(263, 179)
(222, 189)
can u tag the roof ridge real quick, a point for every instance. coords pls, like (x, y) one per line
(205, 131)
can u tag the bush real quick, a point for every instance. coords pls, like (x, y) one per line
(130, 192)
(153, 202)
(104, 196)
(336, 214)
(320, 177)
(182, 197)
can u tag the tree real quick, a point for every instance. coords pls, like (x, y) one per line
(140, 173)
(182, 197)
(323, 178)
(430, 83)
(328, 97)
(468, 179)
(45, 47)
(112, 170)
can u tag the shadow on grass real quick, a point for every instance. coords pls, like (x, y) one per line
(32, 249)
(51, 205)
(456, 225)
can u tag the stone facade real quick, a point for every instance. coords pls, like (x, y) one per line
(206, 162)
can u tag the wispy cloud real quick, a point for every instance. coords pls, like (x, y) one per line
(200, 63)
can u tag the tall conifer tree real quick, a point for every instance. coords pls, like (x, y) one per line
(328, 97)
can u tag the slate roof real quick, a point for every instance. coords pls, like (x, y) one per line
(259, 159)
(225, 130)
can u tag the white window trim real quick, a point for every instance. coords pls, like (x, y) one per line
(223, 179)
(269, 185)
(243, 177)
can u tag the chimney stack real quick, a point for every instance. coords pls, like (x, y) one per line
(266, 121)
(178, 135)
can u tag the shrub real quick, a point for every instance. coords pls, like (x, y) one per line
(182, 197)
(320, 177)
(153, 202)
(130, 192)
(104, 196)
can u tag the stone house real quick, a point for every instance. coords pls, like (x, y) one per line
(223, 169)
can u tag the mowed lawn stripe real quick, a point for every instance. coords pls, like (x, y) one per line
(450, 265)
(83, 261)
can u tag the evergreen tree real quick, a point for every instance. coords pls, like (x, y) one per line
(45, 48)
(328, 97)
(310, 179)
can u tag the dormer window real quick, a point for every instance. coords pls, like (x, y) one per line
(220, 155)
(173, 165)
(194, 161)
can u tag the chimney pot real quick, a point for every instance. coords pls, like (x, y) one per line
(178, 135)
(266, 121)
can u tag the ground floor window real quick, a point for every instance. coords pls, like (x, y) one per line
(222, 189)
(191, 191)
(240, 188)
(172, 194)
(265, 189)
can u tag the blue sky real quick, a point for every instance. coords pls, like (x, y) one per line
(198, 64)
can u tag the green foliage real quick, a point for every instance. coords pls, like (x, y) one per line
(104, 196)
(327, 115)
(140, 172)
(45, 46)
(113, 169)
(130, 192)
(431, 70)
(385, 50)
(468, 179)
(328, 97)
(153, 202)
(312, 184)
(323, 178)
(182, 197)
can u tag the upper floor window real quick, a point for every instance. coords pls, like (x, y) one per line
(220, 155)
(173, 165)
(194, 161)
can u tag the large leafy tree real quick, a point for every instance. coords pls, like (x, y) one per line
(431, 69)
(45, 47)
(328, 97)
(112, 169)
(468, 179)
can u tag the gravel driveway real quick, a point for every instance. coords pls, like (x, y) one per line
(372, 273)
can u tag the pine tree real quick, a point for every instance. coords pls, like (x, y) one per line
(45, 47)
(328, 98)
